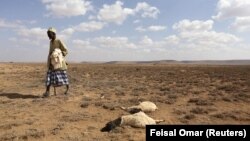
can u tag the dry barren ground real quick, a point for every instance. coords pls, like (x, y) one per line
(185, 94)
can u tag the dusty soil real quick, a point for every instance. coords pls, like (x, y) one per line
(184, 94)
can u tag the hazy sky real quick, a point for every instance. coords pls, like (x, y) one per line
(126, 30)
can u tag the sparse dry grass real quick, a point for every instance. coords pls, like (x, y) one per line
(185, 94)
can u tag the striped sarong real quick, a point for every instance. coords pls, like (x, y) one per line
(57, 78)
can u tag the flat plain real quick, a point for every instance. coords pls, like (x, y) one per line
(184, 94)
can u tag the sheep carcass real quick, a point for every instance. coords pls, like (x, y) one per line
(139, 120)
(56, 58)
(145, 106)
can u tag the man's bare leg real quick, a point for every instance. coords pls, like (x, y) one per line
(67, 88)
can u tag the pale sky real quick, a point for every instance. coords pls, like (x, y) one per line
(126, 30)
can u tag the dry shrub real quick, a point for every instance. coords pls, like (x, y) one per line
(199, 110)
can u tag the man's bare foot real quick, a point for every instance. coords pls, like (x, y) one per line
(66, 93)
(46, 94)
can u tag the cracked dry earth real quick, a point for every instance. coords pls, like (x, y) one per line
(184, 94)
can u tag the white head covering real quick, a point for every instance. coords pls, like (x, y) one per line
(51, 29)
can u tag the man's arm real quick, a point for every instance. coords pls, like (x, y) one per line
(63, 48)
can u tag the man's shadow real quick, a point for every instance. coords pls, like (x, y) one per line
(18, 95)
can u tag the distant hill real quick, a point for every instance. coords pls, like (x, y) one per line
(205, 62)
